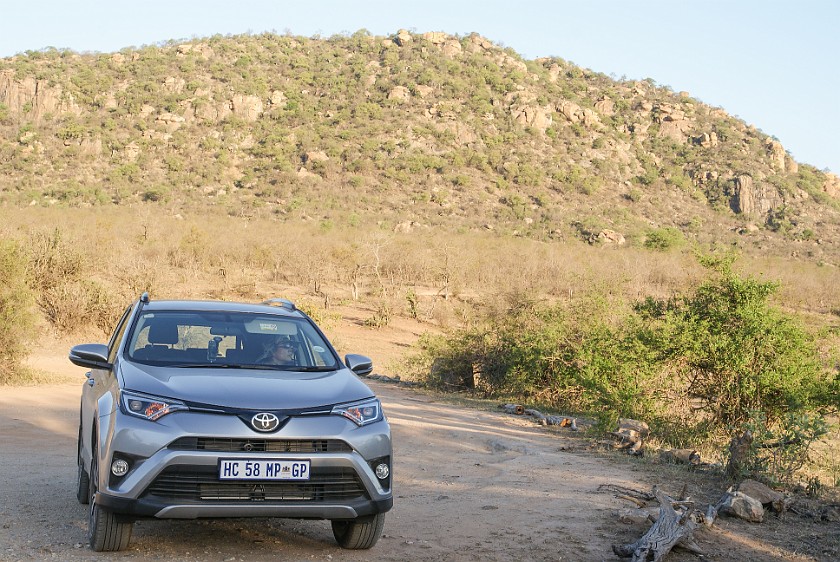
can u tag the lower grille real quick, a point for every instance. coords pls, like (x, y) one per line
(202, 484)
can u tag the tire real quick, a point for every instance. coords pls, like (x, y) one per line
(107, 532)
(82, 478)
(358, 534)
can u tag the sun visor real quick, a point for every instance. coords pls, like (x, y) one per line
(271, 326)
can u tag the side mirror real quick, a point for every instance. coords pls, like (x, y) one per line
(359, 364)
(90, 355)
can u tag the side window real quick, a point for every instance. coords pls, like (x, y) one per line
(118, 334)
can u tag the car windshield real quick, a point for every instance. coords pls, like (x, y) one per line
(229, 339)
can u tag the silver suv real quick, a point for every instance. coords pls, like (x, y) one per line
(218, 409)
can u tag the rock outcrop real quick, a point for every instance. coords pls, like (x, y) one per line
(37, 98)
(752, 199)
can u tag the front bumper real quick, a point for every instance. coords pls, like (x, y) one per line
(166, 480)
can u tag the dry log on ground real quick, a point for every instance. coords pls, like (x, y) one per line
(561, 421)
(640, 427)
(631, 435)
(673, 527)
(681, 456)
(513, 409)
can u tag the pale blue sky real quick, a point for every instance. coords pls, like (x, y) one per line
(773, 63)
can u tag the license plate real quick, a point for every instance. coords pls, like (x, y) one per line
(263, 469)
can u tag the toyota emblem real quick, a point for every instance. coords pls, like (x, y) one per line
(265, 421)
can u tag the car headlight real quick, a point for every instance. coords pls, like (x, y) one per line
(360, 413)
(149, 407)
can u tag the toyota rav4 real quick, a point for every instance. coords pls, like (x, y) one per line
(218, 409)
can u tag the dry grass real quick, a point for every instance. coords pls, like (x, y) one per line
(450, 277)
(133, 249)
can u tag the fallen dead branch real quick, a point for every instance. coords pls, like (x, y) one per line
(637, 497)
(542, 419)
(680, 456)
(675, 526)
(631, 435)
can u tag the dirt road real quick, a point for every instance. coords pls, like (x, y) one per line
(469, 485)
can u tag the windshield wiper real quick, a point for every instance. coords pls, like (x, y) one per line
(294, 368)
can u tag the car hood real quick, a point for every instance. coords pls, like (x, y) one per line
(244, 388)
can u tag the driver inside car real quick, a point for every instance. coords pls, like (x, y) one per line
(281, 352)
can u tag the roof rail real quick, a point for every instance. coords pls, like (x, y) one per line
(144, 298)
(283, 303)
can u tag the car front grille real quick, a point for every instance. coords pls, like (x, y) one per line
(202, 484)
(260, 445)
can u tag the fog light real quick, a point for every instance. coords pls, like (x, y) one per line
(119, 467)
(382, 471)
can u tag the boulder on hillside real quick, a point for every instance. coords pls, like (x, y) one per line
(315, 156)
(277, 98)
(452, 48)
(174, 85)
(403, 38)
(423, 90)
(605, 106)
(831, 187)
(399, 93)
(607, 237)
(706, 140)
(476, 43)
(435, 37)
(248, 108)
(532, 116)
(674, 129)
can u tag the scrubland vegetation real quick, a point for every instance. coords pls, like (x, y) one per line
(696, 342)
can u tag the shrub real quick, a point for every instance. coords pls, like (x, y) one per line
(66, 298)
(563, 358)
(664, 239)
(778, 450)
(697, 367)
(17, 317)
(733, 352)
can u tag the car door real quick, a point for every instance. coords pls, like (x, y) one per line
(98, 383)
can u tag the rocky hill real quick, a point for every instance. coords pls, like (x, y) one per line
(409, 131)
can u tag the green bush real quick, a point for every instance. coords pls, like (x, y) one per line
(779, 449)
(17, 314)
(733, 352)
(558, 357)
(696, 367)
(664, 239)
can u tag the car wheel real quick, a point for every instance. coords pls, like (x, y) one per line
(107, 532)
(360, 533)
(82, 479)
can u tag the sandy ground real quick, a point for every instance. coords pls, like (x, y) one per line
(469, 485)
